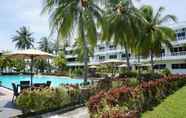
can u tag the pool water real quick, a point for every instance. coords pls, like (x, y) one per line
(7, 80)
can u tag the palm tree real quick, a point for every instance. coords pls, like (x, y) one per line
(23, 39)
(123, 25)
(45, 45)
(75, 16)
(156, 35)
(78, 50)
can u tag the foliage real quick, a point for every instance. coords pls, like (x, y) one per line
(149, 76)
(166, 72)
(104, 84)
(125, 74)
(156, 35)
(41, 65)
(60, 61)
(77, 72)
(46, 99)
(123, 25)
(139, 98)
(45, 45)
(23, 39)
(4, 62)
(79, 16)
(18, 65)
(171, 107)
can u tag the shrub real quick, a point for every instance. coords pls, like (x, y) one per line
(166, 72)
(104, 84)
(134, 98)
(127, 74)
(43, 99)
(149, 76)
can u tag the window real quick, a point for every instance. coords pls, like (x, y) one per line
(112, 47)
(160, 66)
(113, 56)
(179, 66)
(124, 55)
(71, 59)
(101, 48)
(101, 58)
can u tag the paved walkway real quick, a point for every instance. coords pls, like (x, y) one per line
(7, 108)
(77, 113)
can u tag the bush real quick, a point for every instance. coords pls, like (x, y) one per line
(135, 98)
(44, 99)
(149, 76)
(127, 74)
(166, 72)
(104, 84)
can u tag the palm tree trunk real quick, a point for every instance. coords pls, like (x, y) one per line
(127, 57)
(139, 71)
(152, 61)
(85, 60)
(85, 45)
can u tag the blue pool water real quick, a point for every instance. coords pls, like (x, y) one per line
(7, 80)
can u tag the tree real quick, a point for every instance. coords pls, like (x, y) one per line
(4, 63)
(123, 25)
(60, 61)
(156, 35)
(45, 45)
(80, 16)
(23, 39)
(19, 65)
(78, 50)
(41, 65)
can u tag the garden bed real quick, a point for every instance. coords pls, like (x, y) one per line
(173, 106)
(130, 101)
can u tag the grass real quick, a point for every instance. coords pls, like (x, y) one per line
(173, 106)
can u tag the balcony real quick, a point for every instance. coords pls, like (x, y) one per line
(178, 53)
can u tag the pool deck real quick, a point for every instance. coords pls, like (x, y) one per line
(7, 108)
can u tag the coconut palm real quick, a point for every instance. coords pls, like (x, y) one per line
(75, 16)
(78, 50)
(156, 35)
(123, 25)
(23, 39)
(45, 45)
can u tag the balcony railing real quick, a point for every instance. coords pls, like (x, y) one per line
(178, 53)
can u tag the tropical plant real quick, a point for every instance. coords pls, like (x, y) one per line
(80, 16)
(18, 65)
(23, 39)
(45, 45)
(60, 61)
(41, 65)
(80, 52)
(4, 63)
(123, 25)
(156, 35)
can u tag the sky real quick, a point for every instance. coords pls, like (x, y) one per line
(17, 13)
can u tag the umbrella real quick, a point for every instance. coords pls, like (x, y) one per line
(113, 61)
(29, 54)
(123, 65)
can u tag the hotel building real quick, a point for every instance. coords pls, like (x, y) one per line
(172, 58)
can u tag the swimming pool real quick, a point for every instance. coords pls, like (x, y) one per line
(7, 80)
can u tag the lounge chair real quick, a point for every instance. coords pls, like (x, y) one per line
(24, 85)
(15, 91)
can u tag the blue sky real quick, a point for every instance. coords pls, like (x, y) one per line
(16, 13)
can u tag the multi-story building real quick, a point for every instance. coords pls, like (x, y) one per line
(172, 58)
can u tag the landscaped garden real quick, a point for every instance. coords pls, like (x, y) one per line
(128, 93)
(172, 107)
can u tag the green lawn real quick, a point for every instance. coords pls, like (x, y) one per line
(172, 107)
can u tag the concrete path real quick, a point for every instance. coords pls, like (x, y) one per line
(77, 113)
(7, 108)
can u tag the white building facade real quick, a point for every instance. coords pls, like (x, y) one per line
(174, 59)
